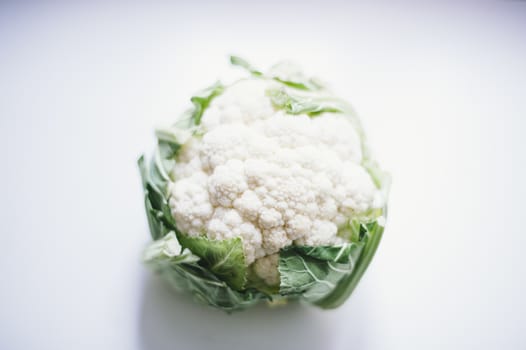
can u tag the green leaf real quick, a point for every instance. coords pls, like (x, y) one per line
(303, 104)
(292, 76)
(202, 100)
(305, 85)
(283, 72)
(173, 136)
(224, 258)
(314, 272)
(338, 254)
(184, 272)
(158, 212)
(381, 179)
(165, 159)
(372, 235)
(156, 227)
(156, 198)
(240, 62)
(350, 231)
(355, 229)
(166, 250)
(143, 170)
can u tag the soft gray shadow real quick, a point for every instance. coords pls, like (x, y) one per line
(171, 320)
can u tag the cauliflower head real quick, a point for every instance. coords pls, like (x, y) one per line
(268, 188)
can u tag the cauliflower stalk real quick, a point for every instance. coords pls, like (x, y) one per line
(264, 190)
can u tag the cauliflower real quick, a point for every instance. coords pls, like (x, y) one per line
(269, 178)
(268, 183)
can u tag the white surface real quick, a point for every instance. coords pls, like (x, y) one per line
(441, 90)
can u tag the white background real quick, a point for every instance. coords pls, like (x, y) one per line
(441, 90)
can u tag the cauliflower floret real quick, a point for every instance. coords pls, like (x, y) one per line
(222, 144)
(270, 178)
(243, 102)
(188, 162)
(248, 205)
(267, 269)
(227, 223)
(333, 130)
(298, 226)
(322, 233)
(358, 189)
(275, 239)
(190, 203)
(227, 183)
(269, 218)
